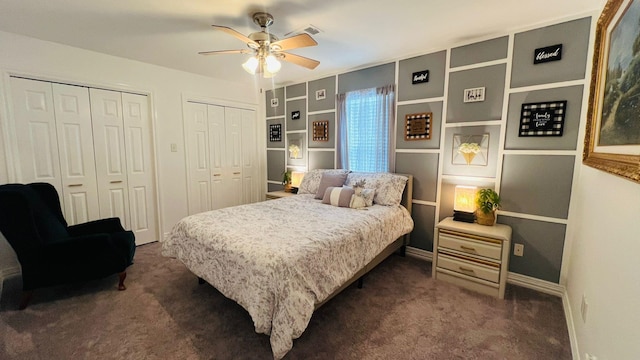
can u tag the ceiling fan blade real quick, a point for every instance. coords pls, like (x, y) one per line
(293, 42)
(236, 34)
(218, 52)
(300, 60)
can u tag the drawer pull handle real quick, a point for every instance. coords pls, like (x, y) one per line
(115, 181)
(466, 248)
(70, 185)
(464, 269)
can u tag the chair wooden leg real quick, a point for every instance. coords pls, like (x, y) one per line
(200, 280)
(26, 298)
(122, 276)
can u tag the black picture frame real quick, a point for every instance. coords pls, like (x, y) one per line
(295, 115)
(542, 118)
(417, 126)
(275, 132)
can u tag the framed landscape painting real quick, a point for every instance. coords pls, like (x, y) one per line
(612, 138)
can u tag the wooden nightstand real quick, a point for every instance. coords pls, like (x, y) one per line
(473, 256)
(278, 194)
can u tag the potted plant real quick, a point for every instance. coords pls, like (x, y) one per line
(488, 202)
(286, 180)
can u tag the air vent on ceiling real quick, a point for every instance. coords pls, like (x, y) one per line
(309, 29)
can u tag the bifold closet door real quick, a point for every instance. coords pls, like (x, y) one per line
(55, 143)
(199, 165)
(139, 160)
(233, 147)
(249, 158)
(109, 144)
(75, 147)
(35, 127)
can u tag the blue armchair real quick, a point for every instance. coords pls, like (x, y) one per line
(52, 253)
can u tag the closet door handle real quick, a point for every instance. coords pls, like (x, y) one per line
(217, 174)
(71, 185)
(115, 181)
(236, 173)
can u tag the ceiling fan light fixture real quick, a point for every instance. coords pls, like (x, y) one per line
(251, 65)
(273, 65)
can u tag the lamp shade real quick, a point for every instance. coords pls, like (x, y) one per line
(251, 65)
(465, 198)
(296, 178)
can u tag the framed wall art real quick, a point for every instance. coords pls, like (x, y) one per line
(612, 138)
(321, 94)
(274, 102)
(470, 149)
(295, 115)
(547, 54)
(275, 132)
(474, 94)
(417, 126)
(320, 130)
(543, 118)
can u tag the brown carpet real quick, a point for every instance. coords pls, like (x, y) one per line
(401, 313)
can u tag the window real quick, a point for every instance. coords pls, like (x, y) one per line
(365, 128)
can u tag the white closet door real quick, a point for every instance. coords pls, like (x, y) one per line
(249, 157)
(233, 131)
(75, 145)
(199, 165)
(108, 137)
(137, 135)
(35, 128)
(220, 174)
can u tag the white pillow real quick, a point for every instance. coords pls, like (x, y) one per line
(388, 187)
(311, 180)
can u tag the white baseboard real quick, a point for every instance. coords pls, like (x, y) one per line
(568, 315)
(536, 284)
(419, 253)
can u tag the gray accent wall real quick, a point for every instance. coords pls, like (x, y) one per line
(329, 102)
(424, 168)
(535, 175)
(435, 108)
(574, 37)
(543, 247)
(372, 77)
(489, 77)
(275, 94)
(435, 63)
(569, 138)
(537, 184)
(488, 50)
(321, 160)
(298, 90)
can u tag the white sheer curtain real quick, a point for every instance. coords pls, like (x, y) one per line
(366, 121)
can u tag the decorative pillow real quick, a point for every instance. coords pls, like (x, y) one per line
(328, 180)
(311, 180)
(388, 187)
(338, 196)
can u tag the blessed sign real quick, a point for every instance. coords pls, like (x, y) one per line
(543, 119)
(546, 54)
(420, 77)
(295, 115)
(417, 126)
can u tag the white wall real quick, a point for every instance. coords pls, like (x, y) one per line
(51, 61)
(605, 266)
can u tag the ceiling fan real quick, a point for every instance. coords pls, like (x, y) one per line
(267, 49)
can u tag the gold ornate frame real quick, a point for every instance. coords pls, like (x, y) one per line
(627, 166)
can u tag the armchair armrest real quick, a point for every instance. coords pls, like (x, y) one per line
(108, 226)
(86, 256)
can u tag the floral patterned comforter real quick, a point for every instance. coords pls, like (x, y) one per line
(279, 258)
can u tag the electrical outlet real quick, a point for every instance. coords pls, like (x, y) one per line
(584, 307)
(174, 147)
(518, 249)
(588, 356)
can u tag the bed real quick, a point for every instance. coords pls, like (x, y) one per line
(282, 259)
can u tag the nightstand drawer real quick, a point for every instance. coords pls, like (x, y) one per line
(488, 271)
(475, 245)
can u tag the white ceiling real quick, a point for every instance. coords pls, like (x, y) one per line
(355, 33)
